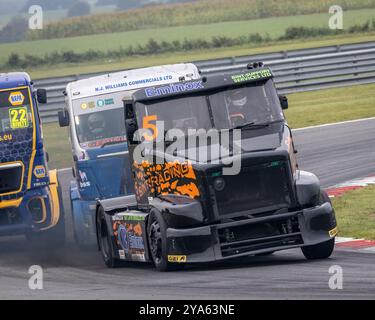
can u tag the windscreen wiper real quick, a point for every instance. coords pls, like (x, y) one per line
(251, 125)
(254, 125)
(109, 143)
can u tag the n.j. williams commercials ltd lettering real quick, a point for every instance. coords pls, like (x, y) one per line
(169, 178)
(133, 83)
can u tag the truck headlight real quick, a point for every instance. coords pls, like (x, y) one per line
(219, 184)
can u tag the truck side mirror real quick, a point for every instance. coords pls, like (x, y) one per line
(130, 121)
(131, 128)
(41, 95)
(63, 118)
(284, 102)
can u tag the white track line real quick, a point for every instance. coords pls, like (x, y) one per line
(334, 124)
(343, 240)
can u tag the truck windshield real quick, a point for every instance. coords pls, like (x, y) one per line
(15, 113)
(101, 128)
(258, 104)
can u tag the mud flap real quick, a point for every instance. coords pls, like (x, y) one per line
(129, 235)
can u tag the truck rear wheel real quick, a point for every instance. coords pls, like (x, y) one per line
(157, 240)
(319, 251)
(104, 240)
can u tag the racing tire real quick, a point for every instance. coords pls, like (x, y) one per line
(105, 242)
(157, 241)
(319, 251)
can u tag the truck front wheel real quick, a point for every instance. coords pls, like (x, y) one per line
(104, 240)
(319, 251)
(157, 239)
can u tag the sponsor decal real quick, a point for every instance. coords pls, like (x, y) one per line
(40, 172)
(88, 105)
(129, 236)
(16, 98)
(6, 137)
(132, 217)
(125, 84)
(168, 178)
(334, 232)
(18, 118)
(174, 88)
(121, 254)
(100, 103)
(105, 102)
(84, 181)
(40, 184)
(99, 143)
(177, 259)
(253, 75)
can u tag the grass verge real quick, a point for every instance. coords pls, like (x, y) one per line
(306, 109)
(58, 146)
(355, 212)
(331, 105)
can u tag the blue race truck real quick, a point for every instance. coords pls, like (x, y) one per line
(95, 114)
(30, 194)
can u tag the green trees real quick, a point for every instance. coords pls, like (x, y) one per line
(78, 9)
(153, 47)
(14, 30)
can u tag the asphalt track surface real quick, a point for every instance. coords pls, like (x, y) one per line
(335, 153)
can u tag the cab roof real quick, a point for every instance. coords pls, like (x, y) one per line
(129, 80)
(14, 80)
(208, 83)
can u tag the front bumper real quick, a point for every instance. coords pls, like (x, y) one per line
(17, 219)
(252, 236)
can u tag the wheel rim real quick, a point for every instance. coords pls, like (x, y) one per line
(156, 242)
(103, 236)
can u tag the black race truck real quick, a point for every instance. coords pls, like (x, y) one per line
(216, 177)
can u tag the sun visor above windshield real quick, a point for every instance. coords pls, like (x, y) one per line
(239, 78)
(98, 103)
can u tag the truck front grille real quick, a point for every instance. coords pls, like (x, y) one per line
(11, 176)
(259, 186)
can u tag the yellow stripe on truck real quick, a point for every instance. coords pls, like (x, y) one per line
(54, 198)
(11, 203)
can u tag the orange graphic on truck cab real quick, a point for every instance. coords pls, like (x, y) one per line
(168, 178)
